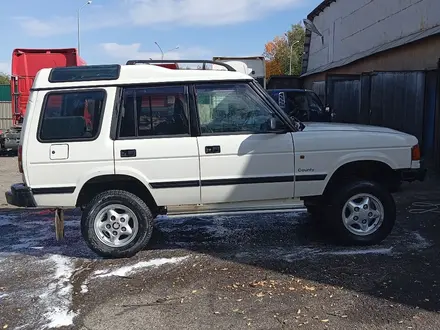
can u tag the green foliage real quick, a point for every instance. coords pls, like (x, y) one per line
(4, 79)
(279, 51)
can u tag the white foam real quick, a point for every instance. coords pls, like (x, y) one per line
(99, 272)
(387, 251)
(57, 298)
(85, 287)
(420, 241)
(127, 270)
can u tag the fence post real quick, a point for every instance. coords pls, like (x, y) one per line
(437, 121)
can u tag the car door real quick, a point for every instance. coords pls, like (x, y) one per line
(241, 157)
(154, 143)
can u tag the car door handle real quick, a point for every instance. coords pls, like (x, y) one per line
(128, 153)
(212, 149)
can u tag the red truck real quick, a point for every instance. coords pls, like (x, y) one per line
(25, 65)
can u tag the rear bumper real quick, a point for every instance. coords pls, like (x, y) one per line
(20, 195)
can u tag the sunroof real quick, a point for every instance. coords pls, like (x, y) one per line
(85, 73)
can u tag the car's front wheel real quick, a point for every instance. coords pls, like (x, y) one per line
(116, 224)
(362, 213)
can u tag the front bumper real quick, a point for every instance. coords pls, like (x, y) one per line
(10, 140)
(20, 195)
(11, 144)
(413, 174)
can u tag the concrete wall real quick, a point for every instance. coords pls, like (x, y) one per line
(420, 55)
(352, 26)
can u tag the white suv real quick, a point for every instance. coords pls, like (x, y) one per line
(127, 143)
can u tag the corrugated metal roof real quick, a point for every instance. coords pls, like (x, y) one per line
(315, 12)
(393, 44)
(319, 9)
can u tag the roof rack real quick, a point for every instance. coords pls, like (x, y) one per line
(204, 62)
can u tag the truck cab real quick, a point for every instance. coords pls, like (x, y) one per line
(25, 65)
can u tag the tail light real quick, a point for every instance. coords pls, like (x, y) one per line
(415, 152)
(20, 159)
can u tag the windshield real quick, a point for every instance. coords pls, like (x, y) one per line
(295, 121)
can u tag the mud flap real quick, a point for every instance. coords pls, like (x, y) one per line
(59, 224)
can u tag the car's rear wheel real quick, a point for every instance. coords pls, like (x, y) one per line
(362, 213)
(117, 224)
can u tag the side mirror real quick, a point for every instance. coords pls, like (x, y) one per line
(276, 126)
(273, 124)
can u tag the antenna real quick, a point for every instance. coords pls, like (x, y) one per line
(312, 27)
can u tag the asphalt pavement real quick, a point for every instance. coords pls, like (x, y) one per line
(256, 271)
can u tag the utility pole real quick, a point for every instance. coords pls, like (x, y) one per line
(291, 50)
(79, 23)
(161, 51)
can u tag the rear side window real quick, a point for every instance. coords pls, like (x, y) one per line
(71, 116)
(154, 111)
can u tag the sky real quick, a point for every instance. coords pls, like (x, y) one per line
(114, 31)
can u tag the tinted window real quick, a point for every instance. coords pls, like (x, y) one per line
(297, 101)
(72, 116)
(315, 103)
(231, 108)
(85, 73)
(297, 105)
(154, 111)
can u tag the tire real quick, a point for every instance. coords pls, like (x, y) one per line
(381, 201)
(317, 212)
(395, 186)
(124, 212)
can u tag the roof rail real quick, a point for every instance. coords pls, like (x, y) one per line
(204, 62)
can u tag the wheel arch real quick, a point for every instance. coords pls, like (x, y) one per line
(105, 182)
(374, 170)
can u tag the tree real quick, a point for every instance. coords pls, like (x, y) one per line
(278, 52)
(4, 79)
(273, 63)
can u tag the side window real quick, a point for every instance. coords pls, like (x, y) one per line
(315, 103)
(298, 105)
(68, 116)
(154, 111)
(231, 108)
